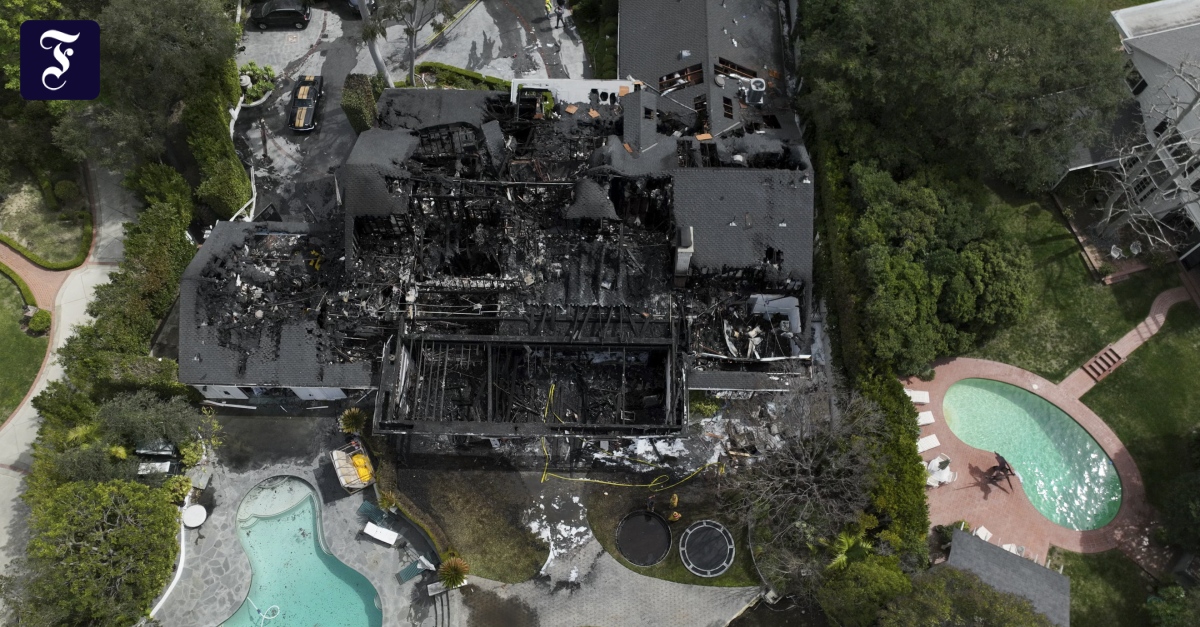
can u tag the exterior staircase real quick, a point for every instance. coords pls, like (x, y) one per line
(1103, 363)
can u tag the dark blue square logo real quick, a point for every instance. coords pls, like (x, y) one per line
(60, 60)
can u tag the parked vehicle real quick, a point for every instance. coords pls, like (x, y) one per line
(353, 4)
(306, 102)
(293, 13)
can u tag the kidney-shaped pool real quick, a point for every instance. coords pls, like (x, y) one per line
(296, 580)
(1065, 473)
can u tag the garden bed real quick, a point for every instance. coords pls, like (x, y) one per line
(48, 228)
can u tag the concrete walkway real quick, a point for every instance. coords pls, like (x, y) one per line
(1008, 514)
(71, 292)
(1080, 382)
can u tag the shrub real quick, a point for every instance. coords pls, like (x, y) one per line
(853, 597)
(453, 572)
(26, 293)
(596, 21)
(85, 245)
(47, 188)
(262, 80)
(157, 182)
(66, 191)
(358, 102)
(225, 186)
(177, 488)
(702, 404)
(452, 76)
(40, 321)
(353, 420)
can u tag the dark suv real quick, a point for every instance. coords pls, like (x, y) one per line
(292, 13)
(306, 101)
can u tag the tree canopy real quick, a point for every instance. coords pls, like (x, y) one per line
(1004, 88)
(947, 597)
(99, 554)
(937, 269)
(853, 597)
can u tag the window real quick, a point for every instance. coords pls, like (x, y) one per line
(725, 66)
(688, 76)
(1161, 128)
(728, 102)
(700, 104)
(1179, 149)
(1191, 167)
(648, 113)
(1196, 186)
(1140, 186)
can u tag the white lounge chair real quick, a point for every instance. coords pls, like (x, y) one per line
(983, 534)
(925, 418)
(927, 442)
(935, 464)
(385, 536)
(918, 397)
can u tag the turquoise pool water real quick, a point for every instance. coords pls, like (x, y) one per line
(1067, 476)
(281, 533)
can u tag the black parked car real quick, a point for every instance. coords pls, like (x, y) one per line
(306, 100)
(292, 13)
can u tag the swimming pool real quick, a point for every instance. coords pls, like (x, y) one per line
(279, 527)
(1065, 473)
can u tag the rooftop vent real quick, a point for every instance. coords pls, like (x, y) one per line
(758, 91)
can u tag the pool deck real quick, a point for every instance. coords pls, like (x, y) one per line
(216, 574)
(1008, 513)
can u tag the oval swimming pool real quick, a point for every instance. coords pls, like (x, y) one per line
(1064, 472)
(296, 580)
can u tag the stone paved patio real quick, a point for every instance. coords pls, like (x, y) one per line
(1008, 514)
(216, 574)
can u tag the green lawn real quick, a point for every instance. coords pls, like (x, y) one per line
(22, 355)
(1072, 316)
(606, 505)
(26, 217)
(1152, 401)
(1107, 589)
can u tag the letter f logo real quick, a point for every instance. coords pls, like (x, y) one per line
(60, 60)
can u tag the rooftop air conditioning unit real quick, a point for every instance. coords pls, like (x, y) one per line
(758, 91)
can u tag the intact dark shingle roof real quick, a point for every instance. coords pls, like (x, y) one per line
(414, 109)
(719, 380)
(737, 213)
(1049, 591)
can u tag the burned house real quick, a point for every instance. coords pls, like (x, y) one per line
(563, 259)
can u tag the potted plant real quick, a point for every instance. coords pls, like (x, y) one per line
(258, 82)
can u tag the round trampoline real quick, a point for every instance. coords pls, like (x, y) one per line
(643, 538)
(706, 548)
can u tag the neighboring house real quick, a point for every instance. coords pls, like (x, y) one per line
(1161, 41)
(559, 260)
(1050, 592)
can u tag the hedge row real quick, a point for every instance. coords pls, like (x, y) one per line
(224, 184)
(85, 245)
(596, 21)
(358, 102)
(459, 77)
(899, 493)
(26, 293)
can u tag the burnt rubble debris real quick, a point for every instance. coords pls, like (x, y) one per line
(510, 269)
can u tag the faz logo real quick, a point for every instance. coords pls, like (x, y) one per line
(60, 60)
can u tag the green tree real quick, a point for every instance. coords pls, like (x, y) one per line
(164, 49)
(1182, 518)
(854, 596)
(99, 555)
(1002, 88)
(1175, 607)
(141, 418)
(947, 597)
(15, 12)
(412, 15)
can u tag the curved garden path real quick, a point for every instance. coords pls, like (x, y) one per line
(67, 294)
(1006, 512)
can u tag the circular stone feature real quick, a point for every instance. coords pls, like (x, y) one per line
(643, 538)
(194, 516)
(706, 548)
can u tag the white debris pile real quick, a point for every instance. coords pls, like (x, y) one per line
(562, 526)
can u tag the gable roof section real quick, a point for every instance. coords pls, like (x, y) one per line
(738, 213)
(1156, 17)
(1049, 591)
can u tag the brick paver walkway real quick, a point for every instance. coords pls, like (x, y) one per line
(1006, 512)
(1080, 382)
(42, 282)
